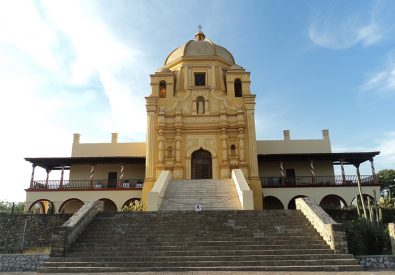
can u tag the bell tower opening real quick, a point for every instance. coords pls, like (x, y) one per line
(201, 165)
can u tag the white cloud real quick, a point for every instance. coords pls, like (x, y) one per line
(345, 35)
(56, 60)
(384, 79)
(387, 148)
(341, 25)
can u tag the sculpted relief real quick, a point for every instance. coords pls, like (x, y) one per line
(204, 141)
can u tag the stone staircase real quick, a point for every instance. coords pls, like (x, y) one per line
(277, 240)
(211, 194)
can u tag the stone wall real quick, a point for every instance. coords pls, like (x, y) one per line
(21, 262)
(391, 231)
(377, 261)
(332, 232)
(69, 231)
(38, 233)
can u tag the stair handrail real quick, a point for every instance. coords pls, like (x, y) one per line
(157, 193)
(73, 227)
(243, 190)
(332, 232)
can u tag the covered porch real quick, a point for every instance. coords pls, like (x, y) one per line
(322, 185)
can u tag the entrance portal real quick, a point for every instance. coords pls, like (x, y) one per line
(201, 165)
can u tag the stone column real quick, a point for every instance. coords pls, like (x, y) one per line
(61, 177)
(213, 77)
(32, 177)
(342, 169)
(253, 161)
(375, 179)
(161, 146)
(91, 175)
(312, 171)
(121, 175)
(224, 144)
(241, 145)
(282, 172)
(178, 145)
(151, 107)
(254, 181)
(360, 190)
(150, 143)
(47, 179)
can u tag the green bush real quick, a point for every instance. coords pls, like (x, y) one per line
(364, 238)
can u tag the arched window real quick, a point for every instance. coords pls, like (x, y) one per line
(200, 108)
(238, 89)
(162, 89)
(233, 150)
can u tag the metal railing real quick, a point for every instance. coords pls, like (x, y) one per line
(86, 184)
(317, 180)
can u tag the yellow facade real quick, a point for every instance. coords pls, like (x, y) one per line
(200, 124)
(193, 105)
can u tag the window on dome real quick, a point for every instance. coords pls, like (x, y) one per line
(238, 89)
(162, 89)
(200, 79)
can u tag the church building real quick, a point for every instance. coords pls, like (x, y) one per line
(200, 148)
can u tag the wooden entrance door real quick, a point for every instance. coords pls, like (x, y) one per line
(201, 165)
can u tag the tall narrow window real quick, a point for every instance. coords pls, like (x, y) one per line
(200, 79)
(162, 89)
(200, 108)
(233, 150)
(238, 89)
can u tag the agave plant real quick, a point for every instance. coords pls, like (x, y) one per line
(134, 206)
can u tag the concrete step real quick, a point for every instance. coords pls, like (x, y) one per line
(196, 253)
(139, 258)
(206, 263)
(312, 268)
(207, 241)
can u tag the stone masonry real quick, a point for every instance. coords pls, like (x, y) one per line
(332, 232)
(38, 231)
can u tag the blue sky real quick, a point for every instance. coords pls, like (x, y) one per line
(68, 67)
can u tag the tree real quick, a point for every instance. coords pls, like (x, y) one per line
(12, 208)
(386, 175)
(387, 181)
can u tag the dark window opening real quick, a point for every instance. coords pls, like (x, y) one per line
(112, 179)
(290, 176)
(238, 89)
(200, 79)
(162, 89)
(233, 150)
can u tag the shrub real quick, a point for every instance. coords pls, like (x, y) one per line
(134, 206)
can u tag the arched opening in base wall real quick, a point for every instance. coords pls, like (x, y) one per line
(333, 201)
(201, 165)
(70, 206)
(272, 203)
(291, 204)
(127, 203)
(365, 199)
(109, 206)
(42, 206)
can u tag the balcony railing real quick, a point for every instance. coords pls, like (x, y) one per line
(86, 184)
(316, 181)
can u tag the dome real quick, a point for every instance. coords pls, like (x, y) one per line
(200, 47)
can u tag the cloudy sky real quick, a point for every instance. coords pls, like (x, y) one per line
(68, 67)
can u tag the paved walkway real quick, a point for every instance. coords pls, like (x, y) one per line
(372, 272)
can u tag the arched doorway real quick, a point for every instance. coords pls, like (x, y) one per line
(272, 203)
(333, 201)
(201, 165)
